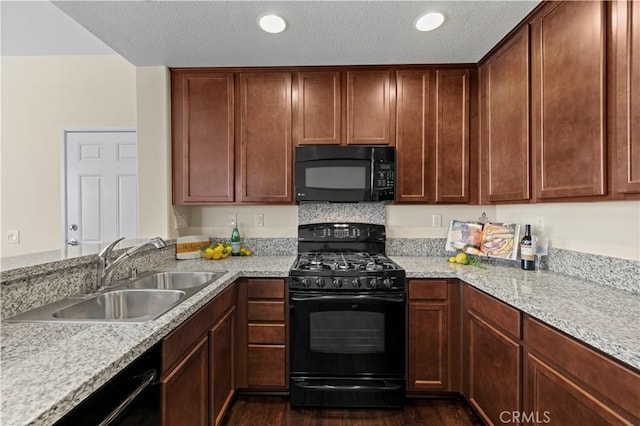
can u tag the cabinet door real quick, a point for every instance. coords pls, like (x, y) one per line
(265, 138)
(428, 345)
(626, 48)
(568, 99)
(222, 365)
(504, 137)
(202, 137)
(184, 390)
(575, 384)
(414, 133)
(369, 108)
(452, 136)
(319, 108)
(494, 370)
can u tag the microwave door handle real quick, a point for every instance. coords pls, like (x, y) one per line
(372, 178)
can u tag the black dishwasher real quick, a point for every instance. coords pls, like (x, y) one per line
(130, 398)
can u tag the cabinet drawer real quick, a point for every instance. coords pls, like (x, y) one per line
(499, 313)
(265, 289)
(265, 311)
(266, 365)
(606, 376)
(428, 289)
(267, 333)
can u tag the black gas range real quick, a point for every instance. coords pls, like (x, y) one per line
(347, 319)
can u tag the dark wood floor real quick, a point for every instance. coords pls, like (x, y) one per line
(275, 411)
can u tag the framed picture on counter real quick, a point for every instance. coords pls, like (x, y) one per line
(499, 240)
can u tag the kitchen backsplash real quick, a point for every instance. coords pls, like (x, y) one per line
(30, 287)
(341, 212)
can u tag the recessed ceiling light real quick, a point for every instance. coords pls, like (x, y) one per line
(429, 21)
(272, 23)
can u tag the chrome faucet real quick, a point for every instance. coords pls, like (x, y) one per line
(107, 269)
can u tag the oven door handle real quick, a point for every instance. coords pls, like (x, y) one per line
(351, 298)
(388, 387)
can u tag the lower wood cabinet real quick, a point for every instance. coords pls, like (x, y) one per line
(433, 336)
(222, 365)
(197, 379)
(492, 356)
(570, 384)
(185, 389)
(262, 335)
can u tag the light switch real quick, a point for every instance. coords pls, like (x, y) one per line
(259, 219)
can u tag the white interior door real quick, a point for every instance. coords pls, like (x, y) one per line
(101, 186)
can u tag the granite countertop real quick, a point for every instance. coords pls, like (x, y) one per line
(47, 369)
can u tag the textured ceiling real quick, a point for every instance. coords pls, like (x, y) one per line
(38, 28)
(224, 33)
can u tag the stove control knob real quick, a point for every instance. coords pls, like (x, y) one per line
(306, 282)
(337, 282)
(374, 283)
(355, 283)
(387, 283)
(319, 282)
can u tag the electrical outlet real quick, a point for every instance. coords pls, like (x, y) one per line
(260, 219)
(436, 220)
(13, 236)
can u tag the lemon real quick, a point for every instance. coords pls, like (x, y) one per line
(452, 259)
(208, 253)
(219, 248)
(461, 257)
(217, 255)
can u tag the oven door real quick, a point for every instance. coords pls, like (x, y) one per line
(347, 335)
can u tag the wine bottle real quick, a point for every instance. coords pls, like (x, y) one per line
(527, 256)
(235, 240)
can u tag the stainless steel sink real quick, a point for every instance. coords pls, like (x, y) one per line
(141, 299)
(138, 305)
(173, 280)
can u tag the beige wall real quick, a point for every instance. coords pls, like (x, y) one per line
(607, 228)
(41, 96)
(153, 92)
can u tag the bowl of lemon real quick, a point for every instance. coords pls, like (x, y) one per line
(218, 251)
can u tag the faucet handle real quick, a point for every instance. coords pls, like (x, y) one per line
(106, 252)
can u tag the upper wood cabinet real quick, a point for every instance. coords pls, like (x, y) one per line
(345, 108)
(568, 99)
(265, 151)
(370, 108)
(625, 137)
(203, 137)
(319, 117)
(504, 122)
(452, 136)
(414, 135)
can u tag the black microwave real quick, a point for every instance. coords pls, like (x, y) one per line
(345, 174)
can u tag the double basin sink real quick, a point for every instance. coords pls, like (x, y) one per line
(144, 298)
